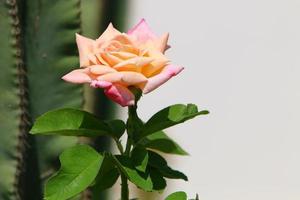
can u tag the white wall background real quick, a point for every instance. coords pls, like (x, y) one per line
(242, 62)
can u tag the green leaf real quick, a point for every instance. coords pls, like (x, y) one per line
(108, 179)
(171, 116)
(72, 122)
(172, 174)
(140, 179)
(177, 196)
(158, 162)
(159, 183)
(79, 167)
(107, 176)
(117, 127)
(139, 158)
(161, 142)
(150, 180)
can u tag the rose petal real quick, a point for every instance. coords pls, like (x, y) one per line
(108, 34)
(155, 53)
(123, 55)
(100, 84)
(110, 59)
(133, 78)
(120, 95)
(101, 60)
(133, 64)
(154, 68)
(123, 38)
(156, 81)
(142, 32)
(162, 42)
(101, 69)
(131, 49)
(124, 78)
(86, 50)
(78, 76)
(111, 45)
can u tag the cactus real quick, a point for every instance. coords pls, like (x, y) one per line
(13, 101)
(37, 48)
(49, 52)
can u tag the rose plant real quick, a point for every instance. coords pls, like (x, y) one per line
(125, 66)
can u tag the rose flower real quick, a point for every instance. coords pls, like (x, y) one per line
(116, 61)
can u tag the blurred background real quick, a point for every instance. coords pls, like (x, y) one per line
(241, 63)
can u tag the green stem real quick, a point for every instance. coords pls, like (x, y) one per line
(134, 123)
(119, 145)
(128, 146)
(124, 188)
(124, 180)
(132, 126)
(131, 129)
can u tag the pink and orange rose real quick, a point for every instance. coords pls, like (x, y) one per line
(118, 60)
